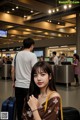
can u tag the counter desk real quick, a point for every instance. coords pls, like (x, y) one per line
(64, 74)
(5, 72)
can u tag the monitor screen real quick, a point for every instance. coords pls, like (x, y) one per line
(3, 33)
(8, 54)
(46, 59)
(66, 63)
(39, 53)
(70, 59)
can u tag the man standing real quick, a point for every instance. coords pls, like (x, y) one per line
(55, 58)
(25, 60)
(62, 58)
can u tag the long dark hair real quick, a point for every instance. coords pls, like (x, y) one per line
(76, 56)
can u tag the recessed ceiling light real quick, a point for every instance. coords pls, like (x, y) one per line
(10, 49)
(49, 11)
(59, 35)
(70, 6)
(28, 17)
(53, 10)
(28, 29)
(25, 16)
(17, 7)
(31, 11)
(57, 9)
(58, 23)
(65, 7)
(8, 11)
(9, 26)
(38, 31)
(13, 9)
(54, 47)
(64, 46)
(12, 35)
(46, 33)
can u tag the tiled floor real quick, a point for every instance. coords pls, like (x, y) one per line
(5, 90)
(70, 96)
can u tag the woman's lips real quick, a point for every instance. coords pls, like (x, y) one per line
(40, 83)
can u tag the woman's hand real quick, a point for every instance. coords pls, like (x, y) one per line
(33, 103)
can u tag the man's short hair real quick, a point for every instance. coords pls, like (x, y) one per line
(28, 42)
(63, 54)
(54, 52)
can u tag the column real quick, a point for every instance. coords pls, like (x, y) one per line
(78, 33)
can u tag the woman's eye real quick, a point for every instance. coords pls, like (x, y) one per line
(43, 74)
(35, 75)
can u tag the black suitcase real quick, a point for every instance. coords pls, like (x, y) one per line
(70, 113)
(9, 106)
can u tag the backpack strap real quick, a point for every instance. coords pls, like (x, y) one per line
(15, 67)
(61, 110)
(15, 60)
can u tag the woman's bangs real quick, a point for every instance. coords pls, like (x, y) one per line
(39, 69)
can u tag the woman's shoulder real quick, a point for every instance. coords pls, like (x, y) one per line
(54, 94)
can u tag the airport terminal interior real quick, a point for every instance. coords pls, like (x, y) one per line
(55, 26)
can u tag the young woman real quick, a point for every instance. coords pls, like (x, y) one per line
(43, 102)
(76, 68)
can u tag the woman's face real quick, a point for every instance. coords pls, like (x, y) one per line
(74, 57)
(41, 78)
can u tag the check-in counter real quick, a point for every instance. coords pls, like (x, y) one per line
(64, 74)
(6, 71)
(52, 65)
(1, 70)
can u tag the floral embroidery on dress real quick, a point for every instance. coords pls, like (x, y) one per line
(56, 109)
(55, 100)
(49, 111)
(29, 113)
(41, 106)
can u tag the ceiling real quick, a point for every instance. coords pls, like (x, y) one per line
(30, 18)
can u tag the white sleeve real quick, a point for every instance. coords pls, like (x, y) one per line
(56, 61)
(34, 60)
(13, 62)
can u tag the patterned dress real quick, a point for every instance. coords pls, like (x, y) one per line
(51, 113)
